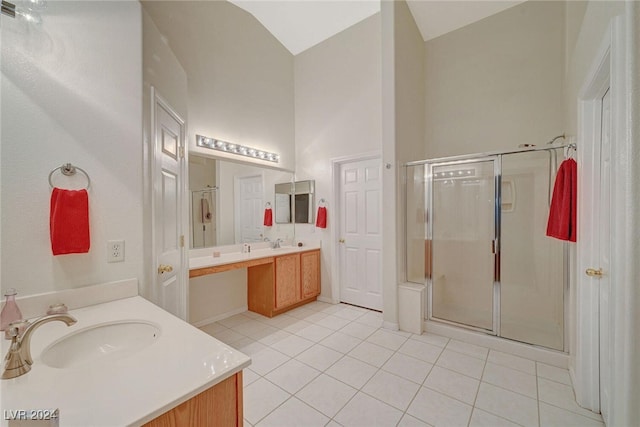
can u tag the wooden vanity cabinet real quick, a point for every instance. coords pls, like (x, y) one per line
(310, 274)
(287, 283)
(218, 406)
(291, 281)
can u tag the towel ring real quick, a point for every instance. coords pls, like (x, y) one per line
(69, 170)
(267, 205)
(322, 203)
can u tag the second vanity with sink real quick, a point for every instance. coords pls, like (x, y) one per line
(128, 363)
(278, 280)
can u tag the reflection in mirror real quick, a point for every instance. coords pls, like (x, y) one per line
(283, 202)
(203, 217)
(295, 202)
(228, 200)
(303, 202)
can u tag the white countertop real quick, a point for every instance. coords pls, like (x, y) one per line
(132, 390)
(233, 257)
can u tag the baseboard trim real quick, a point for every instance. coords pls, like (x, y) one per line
(392, 326)
(328, 300)
(209, 320)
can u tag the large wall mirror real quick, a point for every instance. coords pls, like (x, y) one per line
(228, 199)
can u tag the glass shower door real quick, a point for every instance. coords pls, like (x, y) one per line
(463, 233)
(532, 277)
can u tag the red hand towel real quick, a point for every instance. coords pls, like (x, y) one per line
(268, 217)
(562, 213)
(321, 218)
(69, 221)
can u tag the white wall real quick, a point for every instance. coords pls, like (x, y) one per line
(240, 76)
(338, 113)
(409, 85)
(409, 113)
(71, 93)
(162, 70)
(496, 83)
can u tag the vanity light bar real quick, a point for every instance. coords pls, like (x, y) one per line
(241, 150)
(461, 173)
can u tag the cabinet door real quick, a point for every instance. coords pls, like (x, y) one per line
(310, 273)
(287, 284)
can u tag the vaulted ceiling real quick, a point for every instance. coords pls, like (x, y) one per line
(300, 24)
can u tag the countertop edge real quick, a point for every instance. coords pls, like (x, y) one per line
(235, 258)
(180, 400)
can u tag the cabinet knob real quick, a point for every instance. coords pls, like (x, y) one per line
(341, 241)
(164, 269)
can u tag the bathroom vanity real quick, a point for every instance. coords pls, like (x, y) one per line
(168, 374)
(278, 280)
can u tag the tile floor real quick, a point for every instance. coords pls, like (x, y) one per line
(333, 365)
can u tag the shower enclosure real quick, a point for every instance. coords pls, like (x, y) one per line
(203, 217)
(476, 235)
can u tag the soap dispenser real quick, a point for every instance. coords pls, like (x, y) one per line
(10, 311)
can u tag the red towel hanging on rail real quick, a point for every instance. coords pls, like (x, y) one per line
(563, 210)
(268, 217)
(69, 221)
(321, 218)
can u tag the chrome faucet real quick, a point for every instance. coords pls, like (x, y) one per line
(276, 243)
(18, 360)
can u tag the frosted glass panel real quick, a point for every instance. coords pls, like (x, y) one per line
(531, 297)
(463, 231)
(417, 243)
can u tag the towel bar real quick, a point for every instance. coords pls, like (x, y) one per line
(69, 170)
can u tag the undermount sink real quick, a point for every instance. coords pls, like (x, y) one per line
(101, 343)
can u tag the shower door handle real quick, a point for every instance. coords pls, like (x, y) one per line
(495, 246)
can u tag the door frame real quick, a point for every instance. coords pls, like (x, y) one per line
(336, 164)
(610, 68)
(157, 99)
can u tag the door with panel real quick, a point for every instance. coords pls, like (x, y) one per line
(360, 230)
(250, 209)
(168, 170)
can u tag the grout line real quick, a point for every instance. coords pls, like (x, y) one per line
(276, 329)
(473, 406)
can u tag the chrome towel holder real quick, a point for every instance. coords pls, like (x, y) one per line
(69, 170)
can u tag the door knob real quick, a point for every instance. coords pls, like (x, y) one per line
(164, 269)
(341, 241)
(592, 272)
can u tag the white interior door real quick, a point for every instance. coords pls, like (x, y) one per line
(360, 231)
(250, 205)
(604, 240)
(168, 208)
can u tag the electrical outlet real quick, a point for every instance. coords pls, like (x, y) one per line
(115, 251)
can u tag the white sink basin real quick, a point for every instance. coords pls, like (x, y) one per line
(101, 343)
